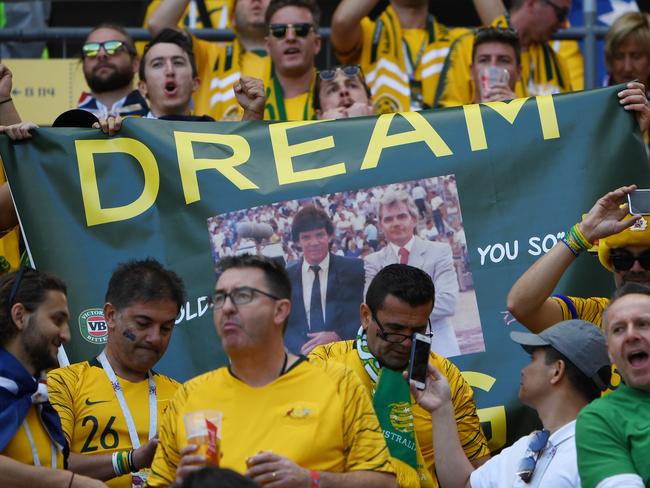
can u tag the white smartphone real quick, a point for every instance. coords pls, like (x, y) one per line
(639, 202)
(420, 349)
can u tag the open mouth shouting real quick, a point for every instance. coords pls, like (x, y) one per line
(170, 89)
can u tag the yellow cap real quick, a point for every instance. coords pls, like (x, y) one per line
(637, 235)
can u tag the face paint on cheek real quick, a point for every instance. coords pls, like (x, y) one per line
(129, 335)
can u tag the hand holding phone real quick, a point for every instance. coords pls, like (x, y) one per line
(420, 349)
(639, 202)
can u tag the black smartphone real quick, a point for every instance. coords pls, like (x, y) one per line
(639, 202)
(420, 349)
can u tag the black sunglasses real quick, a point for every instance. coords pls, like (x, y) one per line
(623, 261)
(349, 70)
(301, 29)
(561, 13)
(536, 446)
(91, 49)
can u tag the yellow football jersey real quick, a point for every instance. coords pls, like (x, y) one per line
(91, 416)
(467, 421)
(9, 248)
(320, 418)
(219, 66)
(543, 71)
(385, 59)
(20, 449)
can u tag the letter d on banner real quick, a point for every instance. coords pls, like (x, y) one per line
(95, 214)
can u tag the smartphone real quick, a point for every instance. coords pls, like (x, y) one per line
(420, 349)
(639, 202)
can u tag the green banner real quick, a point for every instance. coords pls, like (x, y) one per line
(520, 172)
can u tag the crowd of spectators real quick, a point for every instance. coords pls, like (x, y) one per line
(354, 215)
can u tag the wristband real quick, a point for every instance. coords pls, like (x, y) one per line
(130, 461)
(116, 467)
(315, 479)
(576, 252)
(575, 236)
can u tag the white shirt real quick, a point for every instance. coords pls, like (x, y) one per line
(418, 193)
(308, 282)
(408, 246)
(436, 202)
(557, 465)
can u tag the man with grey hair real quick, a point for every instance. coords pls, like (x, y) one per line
(398, 218)
(568, 369)
(613, 433)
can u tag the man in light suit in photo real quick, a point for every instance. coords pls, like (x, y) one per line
(327, 312)
(398, 218)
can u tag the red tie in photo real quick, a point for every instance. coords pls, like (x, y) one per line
(403, 255)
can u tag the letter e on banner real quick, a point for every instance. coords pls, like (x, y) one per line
(284, 152)
(95, 214)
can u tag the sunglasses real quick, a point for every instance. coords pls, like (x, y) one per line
(624, 261)
(561, 13)
(349, 70)
(91, 49)
(279, 31)
(536, 446)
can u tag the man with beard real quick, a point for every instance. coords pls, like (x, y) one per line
(109, 64)
(110, 405)
(220, 65)
(33, 324)
(398, 304)
(623, 248)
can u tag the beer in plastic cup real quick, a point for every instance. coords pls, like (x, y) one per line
(203, 429)
(490, 76)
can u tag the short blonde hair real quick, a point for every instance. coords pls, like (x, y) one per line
(632, 26)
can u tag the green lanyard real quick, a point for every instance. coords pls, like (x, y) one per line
(278, 94)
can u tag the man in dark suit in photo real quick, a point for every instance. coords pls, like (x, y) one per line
(326, 289)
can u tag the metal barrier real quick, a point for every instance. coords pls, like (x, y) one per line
(589, 32)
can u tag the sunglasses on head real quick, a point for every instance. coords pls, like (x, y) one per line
(527, 465)
(623, 261)
(279, 31)
(561, 13)
(91, 49)
(349, 70)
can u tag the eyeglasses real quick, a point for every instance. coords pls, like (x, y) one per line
(623, 261)
(302, 29)
(91, 49)
(349, 70)
(394, 337)
(560, 12)
(536, 446)
(239, 296)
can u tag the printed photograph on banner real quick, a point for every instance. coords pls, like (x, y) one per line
(332, 245)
